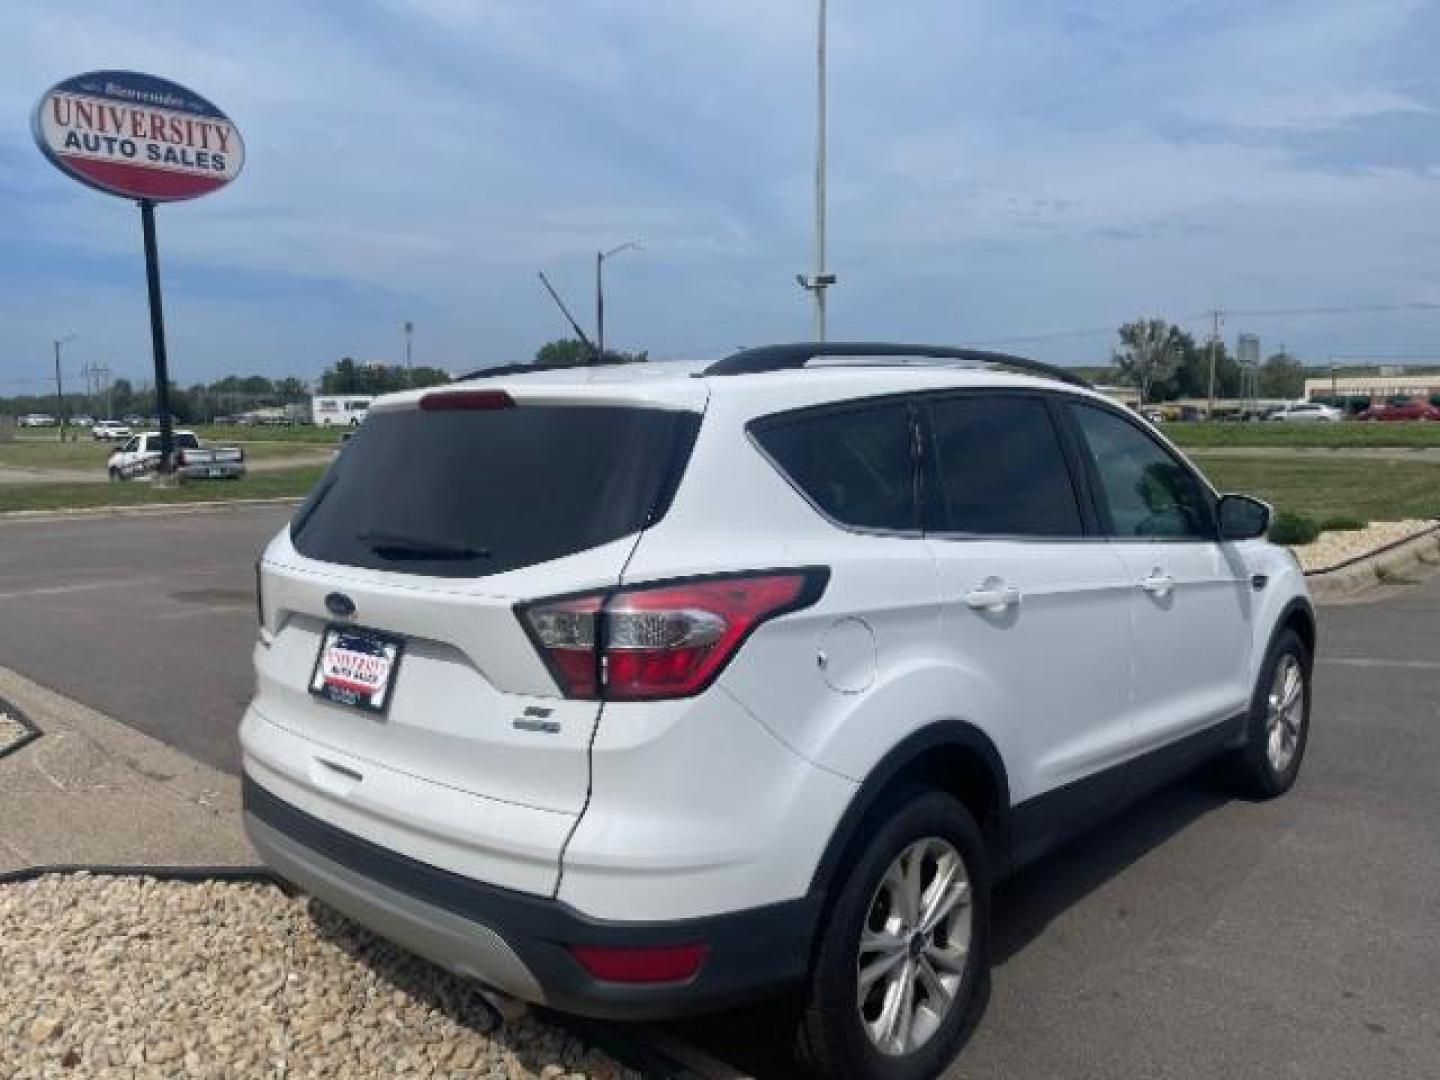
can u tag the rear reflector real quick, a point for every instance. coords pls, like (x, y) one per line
(668, 964)
(455, 400)
(660, 641)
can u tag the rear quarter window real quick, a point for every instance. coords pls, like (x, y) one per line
(854, 464)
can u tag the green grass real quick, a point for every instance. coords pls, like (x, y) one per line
(32, 453)
(264, 485)
(38, 453)
(1371, 490)
(299, 433)
(1347, 434)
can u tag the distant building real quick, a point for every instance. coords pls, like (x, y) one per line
(1415, 384)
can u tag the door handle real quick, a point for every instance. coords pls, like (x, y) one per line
(1158, 583)
(997, 598)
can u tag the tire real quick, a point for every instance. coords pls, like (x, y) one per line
(921, 830)
(115, 475)
(1269, 762)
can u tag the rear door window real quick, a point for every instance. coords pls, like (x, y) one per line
(995, 467)
(855, 465)
(468, 493)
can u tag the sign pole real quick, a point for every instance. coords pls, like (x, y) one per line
(157, 337)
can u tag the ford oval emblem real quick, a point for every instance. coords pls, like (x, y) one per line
(340, 605)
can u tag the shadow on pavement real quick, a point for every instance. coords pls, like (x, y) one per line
(757, 1039)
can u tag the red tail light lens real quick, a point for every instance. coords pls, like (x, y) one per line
(660, 641)
(667, 964)
(565, 632)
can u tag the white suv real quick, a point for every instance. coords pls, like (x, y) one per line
(638, 691)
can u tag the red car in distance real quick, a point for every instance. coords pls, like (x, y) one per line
(1405, 410)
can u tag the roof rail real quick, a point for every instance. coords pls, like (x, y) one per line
(799, 355)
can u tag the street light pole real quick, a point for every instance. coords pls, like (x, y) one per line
(409, 371)
(60, 386)
(600, 257)
(821, 280)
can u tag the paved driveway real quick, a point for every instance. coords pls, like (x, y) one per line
(149, 619)
(1195, 936)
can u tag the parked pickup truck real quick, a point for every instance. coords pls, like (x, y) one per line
(141, 454)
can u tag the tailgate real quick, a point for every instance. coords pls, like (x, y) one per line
(417, 545)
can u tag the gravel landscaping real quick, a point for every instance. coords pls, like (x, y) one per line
(133, 977)
(1332, 548)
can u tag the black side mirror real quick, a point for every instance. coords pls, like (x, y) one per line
(1243, 518)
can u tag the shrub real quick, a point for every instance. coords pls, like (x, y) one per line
(1342, 523)
(1290, 528)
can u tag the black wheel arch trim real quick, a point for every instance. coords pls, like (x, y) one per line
(1304, 607)
(940, 735)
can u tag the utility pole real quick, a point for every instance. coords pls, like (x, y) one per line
(1216, 316)
(600, 257)
(60, 386)
(818, 282)
(409, 328)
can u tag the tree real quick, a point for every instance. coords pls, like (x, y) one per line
(1147, 355)
(348, 377)
(571, 352)
(1281, 376)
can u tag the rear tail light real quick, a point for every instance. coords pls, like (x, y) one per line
(666, 964)
(660, 641)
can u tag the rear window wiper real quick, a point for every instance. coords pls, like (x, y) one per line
(394, 545)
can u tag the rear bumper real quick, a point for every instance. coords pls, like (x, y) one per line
(520, 943)
(221, 471)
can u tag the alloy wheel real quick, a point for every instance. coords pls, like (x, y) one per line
(914, 947)
(1284, 713)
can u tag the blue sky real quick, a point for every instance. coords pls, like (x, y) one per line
(999, 172)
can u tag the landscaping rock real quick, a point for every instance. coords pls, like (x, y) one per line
(132, 976)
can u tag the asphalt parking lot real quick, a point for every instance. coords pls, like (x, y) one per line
(1194, 936)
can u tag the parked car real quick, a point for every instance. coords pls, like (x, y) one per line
(141, 455)
(1306, 412)
(654, 692)
(36, 420)
(109, 431)
(1402, 410)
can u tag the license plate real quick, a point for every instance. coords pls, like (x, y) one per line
(356, 667)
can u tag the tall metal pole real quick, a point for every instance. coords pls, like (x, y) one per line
(599, 307)
(1214, 341)
(157, 336)
(600, 257)
(820, 125)
(59, 392)
(409, 371)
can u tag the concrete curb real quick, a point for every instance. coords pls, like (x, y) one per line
(141, 509)
(1368, 571)
(96, 791)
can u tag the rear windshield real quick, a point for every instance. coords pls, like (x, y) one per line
(476, 492)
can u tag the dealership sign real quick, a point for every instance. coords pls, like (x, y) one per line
(137, 136)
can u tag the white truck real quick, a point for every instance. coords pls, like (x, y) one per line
(109, 431)
(343, 410)
(141, 455)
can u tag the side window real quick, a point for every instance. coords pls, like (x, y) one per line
(855, 465)
(996, 468)
(130, 447)
(1146, 491)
